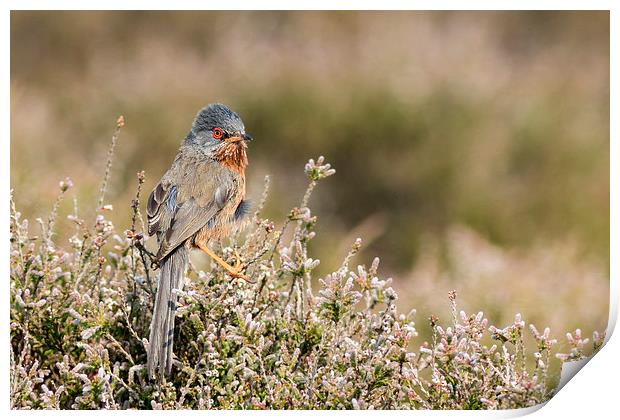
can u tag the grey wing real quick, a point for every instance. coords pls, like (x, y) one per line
(176, 214)
(187, 220)
(160, 207)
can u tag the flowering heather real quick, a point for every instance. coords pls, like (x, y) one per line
(79, 318)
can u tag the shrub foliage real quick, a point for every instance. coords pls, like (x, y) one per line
(79, 318)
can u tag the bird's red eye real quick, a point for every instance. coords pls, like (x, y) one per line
(218, 133)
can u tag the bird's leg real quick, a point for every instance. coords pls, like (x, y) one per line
(234, 271)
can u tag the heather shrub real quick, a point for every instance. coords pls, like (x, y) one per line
(286, 340)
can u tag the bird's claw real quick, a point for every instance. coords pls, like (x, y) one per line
(237, 269)
(239, 275)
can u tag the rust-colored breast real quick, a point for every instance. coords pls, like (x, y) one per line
(233, 156)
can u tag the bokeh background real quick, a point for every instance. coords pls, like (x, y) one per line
(471, 148)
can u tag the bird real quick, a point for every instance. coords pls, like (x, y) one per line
(200, 198)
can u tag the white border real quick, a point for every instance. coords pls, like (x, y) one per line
(593, 393)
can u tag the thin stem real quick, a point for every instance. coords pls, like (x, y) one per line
(263, 198)
(18, 235)
(120, 123)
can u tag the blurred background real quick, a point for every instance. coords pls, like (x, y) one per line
(471, 148)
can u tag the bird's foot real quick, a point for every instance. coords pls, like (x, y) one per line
(236, 271)
(238, 274)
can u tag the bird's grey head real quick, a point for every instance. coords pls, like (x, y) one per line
(216, 125)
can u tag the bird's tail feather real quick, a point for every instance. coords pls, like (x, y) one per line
(171, 276)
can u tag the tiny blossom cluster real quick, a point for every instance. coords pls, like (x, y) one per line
(318, 170)
(578, 345)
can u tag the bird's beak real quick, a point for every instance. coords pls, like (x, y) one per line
(239, 137)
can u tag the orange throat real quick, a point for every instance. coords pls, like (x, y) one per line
(233, 156)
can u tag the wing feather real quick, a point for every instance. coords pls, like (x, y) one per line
(176, 211)
(154, 207)
(188, 219)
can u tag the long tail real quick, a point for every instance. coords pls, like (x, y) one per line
(161, 338)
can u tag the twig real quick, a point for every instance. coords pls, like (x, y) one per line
(135, 205)
(120, 123)
(127, 355)
(263, 198)
(18, 234)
